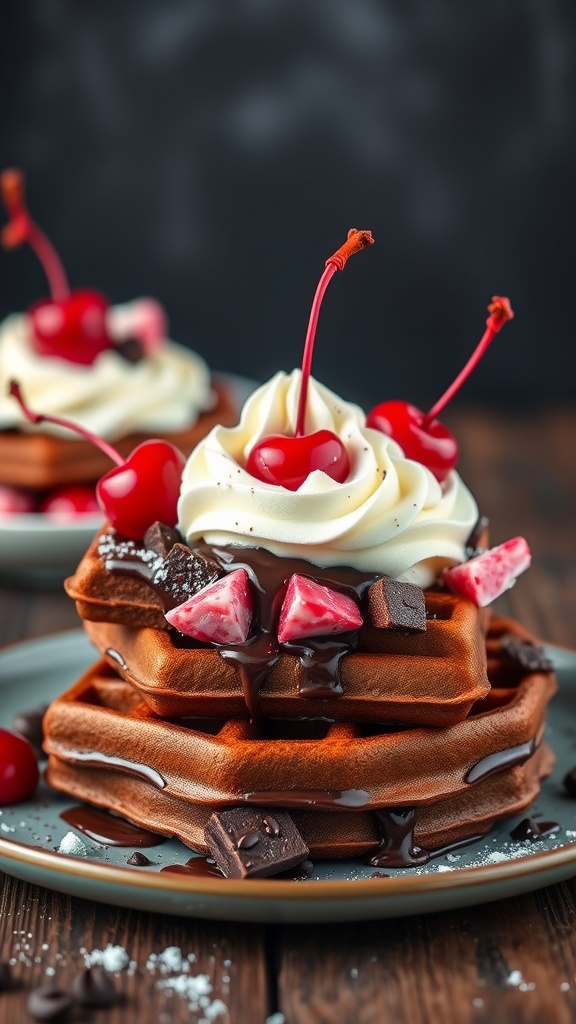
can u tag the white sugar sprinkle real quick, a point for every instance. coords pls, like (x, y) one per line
(72, 844)
(276, 1018)
(514, 978)
(113, 958)
(478, 1002)
(564, 986)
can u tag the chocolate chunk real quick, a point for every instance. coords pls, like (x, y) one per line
(131, 349)
(570, 782)
(479, 539)
(531, 657)
(268, 852)
(529, 830)
(161, 538)
(394, 605)
(378, 874)
(94, 987)
(29, 724)
(48, 1003)
(5, 976)
(183, 573)
(138, 860)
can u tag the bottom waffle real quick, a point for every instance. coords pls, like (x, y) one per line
(342, 782)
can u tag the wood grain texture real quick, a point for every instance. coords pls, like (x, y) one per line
(503, 963)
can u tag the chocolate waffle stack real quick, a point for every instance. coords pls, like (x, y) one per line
(408, 736)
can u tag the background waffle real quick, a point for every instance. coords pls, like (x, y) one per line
(42, 461)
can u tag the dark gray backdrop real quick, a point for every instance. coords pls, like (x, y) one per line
(214, 153)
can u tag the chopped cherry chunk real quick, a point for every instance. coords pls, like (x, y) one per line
(311, 609)
(219, 614)
(67, 503)
(18, 768)
(13, 501)
(489, 575)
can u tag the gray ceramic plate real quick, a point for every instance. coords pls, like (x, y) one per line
(39, 551)
(35, 672)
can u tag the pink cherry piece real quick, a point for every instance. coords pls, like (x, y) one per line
(311, 609)
(219, 614)
(69, 503)
(14, 502)
(143, 319)
(489, 575)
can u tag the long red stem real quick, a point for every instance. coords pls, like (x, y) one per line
(500, 312)
(23, 229)
(356, 241)
(35, 417)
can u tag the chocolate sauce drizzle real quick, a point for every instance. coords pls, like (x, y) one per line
(500, 759)
(105, 828)
(397, 847)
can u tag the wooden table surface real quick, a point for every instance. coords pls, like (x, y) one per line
(451, 966)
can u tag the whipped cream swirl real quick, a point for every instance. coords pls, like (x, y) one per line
(165, 391)
(390, 516)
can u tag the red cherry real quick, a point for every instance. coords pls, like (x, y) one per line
(70, 325)
(18, 768)
(67, 503)
(420, 435)
(141, 489)
(288, 461)
(434, 446)
(72, 329)
(145, 488)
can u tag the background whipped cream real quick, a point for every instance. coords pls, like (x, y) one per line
(166, 391)
(390, 516)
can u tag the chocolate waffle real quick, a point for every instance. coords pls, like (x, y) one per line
(343, 782)
(42, 461)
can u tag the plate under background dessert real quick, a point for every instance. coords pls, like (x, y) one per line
(492, 869)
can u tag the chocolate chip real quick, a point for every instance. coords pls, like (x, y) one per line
(271, 826)
(131, 349)
(570, 782)
(5, 976)
(161, 538)
(94, 987)
(531, 657)
(183, 573)
(529, 830)
(270, 854)
(478, 540)
(29, 724)
(247, 841)
(378, 874)
(48, 1003)
(138, 860)
(394, 605)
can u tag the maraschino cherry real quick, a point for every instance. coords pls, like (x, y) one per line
(288, 461)
(70, 325)
(141, 489)
(421, 436)
(18, 768)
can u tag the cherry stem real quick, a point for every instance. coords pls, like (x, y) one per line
(500, 312)
(356, 241)
(34, 417)
(23, 229)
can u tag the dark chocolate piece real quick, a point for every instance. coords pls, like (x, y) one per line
(245, 844)
(29, 724)
(478, 540)
(394, 605)
(531, 657)
(161, 538)
(529, 830)
(570, 782)
(138, 860)
(131, 349)
(5, 976)
(183, 573)
(94, 987)
(48, 1003)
